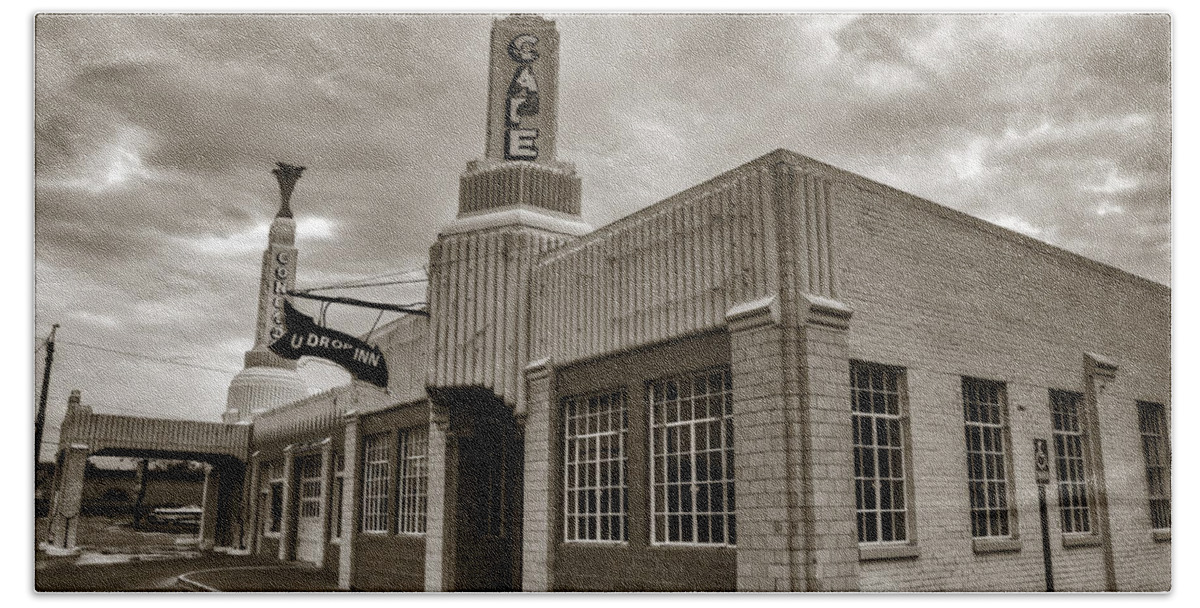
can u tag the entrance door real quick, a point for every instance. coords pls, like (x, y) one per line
(309, 531)
(490, 460)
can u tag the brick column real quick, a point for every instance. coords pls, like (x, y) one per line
(64, 510)
(765, 487)
(287, 536)
(539, 423)
(443, 487)
(210, 498)
(826, 445)
(250, 534)
(326, 483)
(1099, 373)
(351, 482)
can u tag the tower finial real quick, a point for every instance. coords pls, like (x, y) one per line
(287, 175)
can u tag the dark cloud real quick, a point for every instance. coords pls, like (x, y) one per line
(155, 136)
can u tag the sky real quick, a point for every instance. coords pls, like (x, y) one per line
(155, 137)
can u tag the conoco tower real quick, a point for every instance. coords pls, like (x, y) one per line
(268, 380)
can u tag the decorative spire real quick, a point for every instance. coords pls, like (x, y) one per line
(287, 175)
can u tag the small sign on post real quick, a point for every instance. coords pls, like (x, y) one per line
(1041, 461)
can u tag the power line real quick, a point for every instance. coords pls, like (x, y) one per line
(355, 282)
(401, 282)
(148, 358)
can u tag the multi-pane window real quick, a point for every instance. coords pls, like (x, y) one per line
(309, 473)
(594, 483)
(691, 477)
(1069, 443)
(376, 482)
(1152, 423)
(879, 473)
(413, 480)
(987, 469)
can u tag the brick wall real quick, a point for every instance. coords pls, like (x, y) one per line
(944, 296)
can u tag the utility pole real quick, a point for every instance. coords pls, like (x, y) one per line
(41, 412)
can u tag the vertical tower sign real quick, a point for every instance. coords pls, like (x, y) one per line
(523, 89)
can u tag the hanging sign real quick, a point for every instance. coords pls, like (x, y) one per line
(303, 337)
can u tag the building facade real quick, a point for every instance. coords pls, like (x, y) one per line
(786, 378)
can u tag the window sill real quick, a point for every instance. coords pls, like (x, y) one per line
(1162, 536)
(995, 545)
(879, 552)
(1080, 540)
(271, 535)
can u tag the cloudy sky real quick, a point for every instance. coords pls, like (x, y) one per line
(155, 137)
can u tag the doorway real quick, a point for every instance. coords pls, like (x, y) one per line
(309, 523)
(491, 457)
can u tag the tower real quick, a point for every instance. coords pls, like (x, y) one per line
(514, 205)
(269, 380)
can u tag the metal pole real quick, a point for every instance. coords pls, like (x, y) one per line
(40, 423)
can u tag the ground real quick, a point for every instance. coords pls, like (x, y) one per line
(115, 557)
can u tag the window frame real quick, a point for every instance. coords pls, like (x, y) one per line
(1163, 456)
(272, 480)
(620, 395)
(376, 492)
(412, 485)
(884, 549)
(1078, 486)
(728, 481)
(990, 542)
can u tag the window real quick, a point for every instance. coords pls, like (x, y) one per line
(987, 469)
(310, 485)
(376, 481)
(594, 484)
(1152, 423)
(879, 467)
(413, 480)
(1069, 443)
(691, 477)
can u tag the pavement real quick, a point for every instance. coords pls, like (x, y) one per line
(113, 557)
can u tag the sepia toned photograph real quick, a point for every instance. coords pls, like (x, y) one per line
(772, 302)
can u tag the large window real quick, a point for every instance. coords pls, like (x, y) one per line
(376, 482)
(879, 463)
(1070, 441)
(987, 466)
(1152, 423)
(594, 483)
(413, 480)
(691, 477)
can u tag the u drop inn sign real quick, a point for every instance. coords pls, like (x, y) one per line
(303, 337)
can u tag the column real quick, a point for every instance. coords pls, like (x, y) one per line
(443, 488)
(326, 484)
(1099, 373)
(826, 444)
(64, 513)
(351, 484)
(762, 458)
(208, 516)
(287, 535)
(251, 532)
(539, 424)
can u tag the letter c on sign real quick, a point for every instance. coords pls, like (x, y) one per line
(283, 257)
